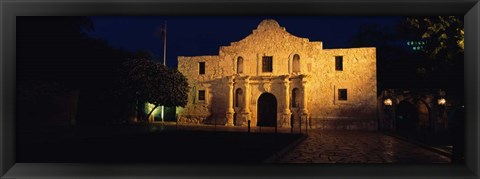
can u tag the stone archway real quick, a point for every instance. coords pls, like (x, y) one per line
(405, 117)
(423, 116)
(267, 110)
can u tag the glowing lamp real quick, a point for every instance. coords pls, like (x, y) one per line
(442, 101)
(388, 102)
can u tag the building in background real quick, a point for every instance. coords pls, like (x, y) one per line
(415, 109)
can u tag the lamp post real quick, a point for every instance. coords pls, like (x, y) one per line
(388, 111)
(388, 102)
(442, 103)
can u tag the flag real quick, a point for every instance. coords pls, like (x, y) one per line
(162, 31)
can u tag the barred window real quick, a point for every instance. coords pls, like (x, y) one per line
(267, 64)
(342, 94)
(339, 63)
(201, 95)
(201, 68)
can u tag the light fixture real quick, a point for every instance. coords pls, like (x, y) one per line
(442, 101)
(388, 102)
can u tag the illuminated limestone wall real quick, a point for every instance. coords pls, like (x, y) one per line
(297, 64)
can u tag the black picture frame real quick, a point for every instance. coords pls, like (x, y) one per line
(10, 9)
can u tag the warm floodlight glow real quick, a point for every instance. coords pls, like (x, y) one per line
(163, 111)
(442, 101)
(388, 102)
(149, 107)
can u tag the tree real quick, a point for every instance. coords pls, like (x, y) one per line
(52, 48)
(394, 62)
(152, 82)
(444, 35)
(373, 34)
(36, 102)
(58, 50)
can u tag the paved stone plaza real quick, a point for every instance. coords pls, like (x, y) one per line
(328, 146)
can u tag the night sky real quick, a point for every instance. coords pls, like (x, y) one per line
(193, 36)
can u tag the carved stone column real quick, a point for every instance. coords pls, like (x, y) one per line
(230, 110)
(286, 111)
(246, 108)
(304, 100)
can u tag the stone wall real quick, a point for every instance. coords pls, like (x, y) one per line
(317, 79)
(358, 77)
(214, 84)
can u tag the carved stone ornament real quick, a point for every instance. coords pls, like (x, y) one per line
(266, 87)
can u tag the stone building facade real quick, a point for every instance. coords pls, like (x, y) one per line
(274, 78)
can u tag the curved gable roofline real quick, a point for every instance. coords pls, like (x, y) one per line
(265, 28)
(269, 24)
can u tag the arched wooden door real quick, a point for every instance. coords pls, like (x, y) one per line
(267, 110)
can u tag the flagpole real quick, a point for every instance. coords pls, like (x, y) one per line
(164, 56)
(165, 44)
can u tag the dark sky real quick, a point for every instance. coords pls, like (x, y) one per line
(192, 36)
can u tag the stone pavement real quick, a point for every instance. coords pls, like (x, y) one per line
(328, 146)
